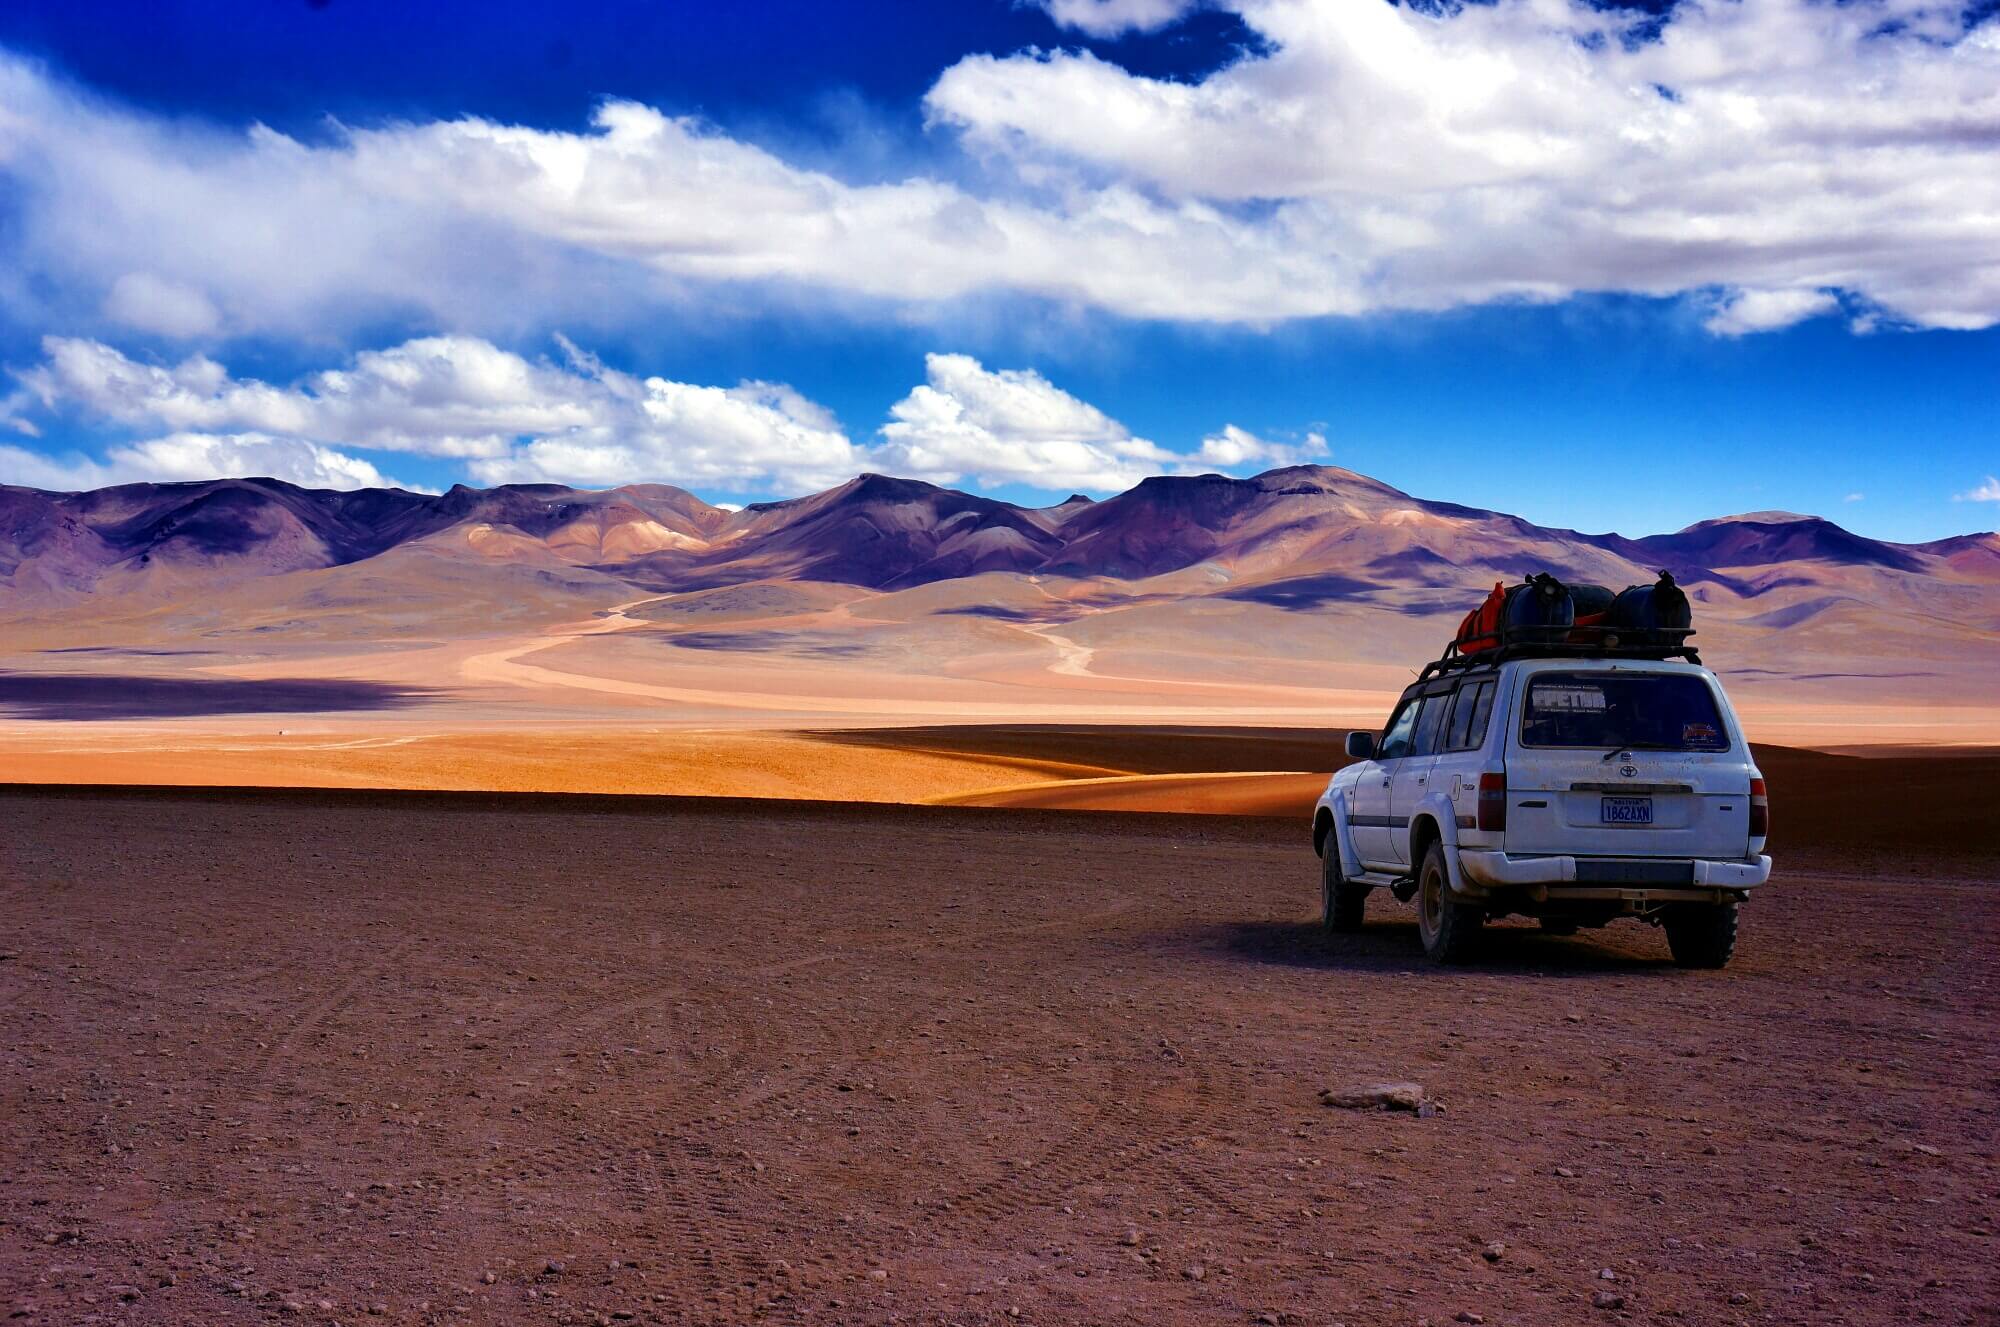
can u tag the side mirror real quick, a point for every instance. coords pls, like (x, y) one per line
(1361, 745)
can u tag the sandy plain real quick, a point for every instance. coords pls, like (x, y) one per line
(736, 693)
(352, 1057)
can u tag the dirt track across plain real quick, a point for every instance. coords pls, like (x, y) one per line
(466, 1058)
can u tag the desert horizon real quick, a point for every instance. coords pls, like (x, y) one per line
(637, 639)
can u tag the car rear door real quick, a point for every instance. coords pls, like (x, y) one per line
(1412, 776)
(1626, 762)
(1461, 741)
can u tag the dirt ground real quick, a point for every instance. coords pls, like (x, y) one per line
(367, 1057)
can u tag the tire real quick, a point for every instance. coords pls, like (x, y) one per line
(1701, 935)
(1341, 902)
(1448, 928)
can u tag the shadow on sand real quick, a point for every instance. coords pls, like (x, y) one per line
(1392, 946)
(74, 696)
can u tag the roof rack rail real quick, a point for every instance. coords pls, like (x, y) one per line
(1607, 646)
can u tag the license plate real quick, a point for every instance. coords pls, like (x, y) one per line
(1626, 811)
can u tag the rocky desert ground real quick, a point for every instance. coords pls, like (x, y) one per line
(356, 1057)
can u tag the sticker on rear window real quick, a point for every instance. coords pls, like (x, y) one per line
(1692, 733)
(1568, 698)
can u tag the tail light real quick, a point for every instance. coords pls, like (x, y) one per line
(1760, 810)
(1493, 802)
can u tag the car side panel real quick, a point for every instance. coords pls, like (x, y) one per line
(1341, 837)
(1406, 790)
(1336, 803)
(1368, 817)
(1437, 806)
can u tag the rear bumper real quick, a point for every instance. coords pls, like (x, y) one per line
(1660, 879)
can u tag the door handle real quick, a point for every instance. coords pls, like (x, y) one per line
(1423, 778)
(1385, 783)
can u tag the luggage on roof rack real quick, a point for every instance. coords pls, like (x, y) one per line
(1480, 629)
(1542, 617)
(1651, 613)
(1539, 611)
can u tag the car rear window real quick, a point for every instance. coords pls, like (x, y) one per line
(1653, 711)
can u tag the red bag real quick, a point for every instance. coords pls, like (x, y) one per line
(1589, 629)
(1481, 628)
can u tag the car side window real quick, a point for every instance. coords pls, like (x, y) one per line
(1426, 741)
(1396, 738)
(1467, 730)
(1475, 724)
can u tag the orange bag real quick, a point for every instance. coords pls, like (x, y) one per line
(1481, 628)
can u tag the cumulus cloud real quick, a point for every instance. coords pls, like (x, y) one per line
(1234, 447)
(302, 239)
(508, 417)
(1369, 156)
(448, 396)
(1746, 311)
(143, 301)
(185, 456)
(756, 435)
(1114, 18)
(1010, 426)
(1533, 148)
(1986, 492)
(511, 419)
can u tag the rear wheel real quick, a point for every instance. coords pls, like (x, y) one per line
(1701, 935)
(1340, 900)
(1449, 929)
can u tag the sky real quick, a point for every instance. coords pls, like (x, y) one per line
(1607, 266)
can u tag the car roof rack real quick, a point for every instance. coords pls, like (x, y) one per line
(1608, 646)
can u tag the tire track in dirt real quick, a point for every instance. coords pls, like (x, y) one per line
(691, 1182)
(278, 1048)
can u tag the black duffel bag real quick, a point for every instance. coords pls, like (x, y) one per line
(1655, 615)
(1539, 612)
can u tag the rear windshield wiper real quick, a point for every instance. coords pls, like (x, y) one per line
(1640, 746)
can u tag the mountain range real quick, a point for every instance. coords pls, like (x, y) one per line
(1290, 536)
(1303, 595)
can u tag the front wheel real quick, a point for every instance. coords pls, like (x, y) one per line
(1341, 901)
(1701, 935)
(1449, 929)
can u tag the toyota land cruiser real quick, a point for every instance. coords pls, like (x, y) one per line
(1576, 789)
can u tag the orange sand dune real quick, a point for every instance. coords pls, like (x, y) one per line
(695, 764)
(1076, 768)
(1244, 793)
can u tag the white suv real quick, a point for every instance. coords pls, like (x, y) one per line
(1572, 789)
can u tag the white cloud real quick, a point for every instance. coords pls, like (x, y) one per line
(512, 419)
(1113, 18)
(1745, 311)
(1234, 447)
(1373, 156)
(1010, 426)
(184, 456)
(1854, 497)
(755, 435)
(143, 301)
(1986, 492)
(309, 240)
(1526, 148)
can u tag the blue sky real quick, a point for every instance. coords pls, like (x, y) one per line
(1022, 249)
